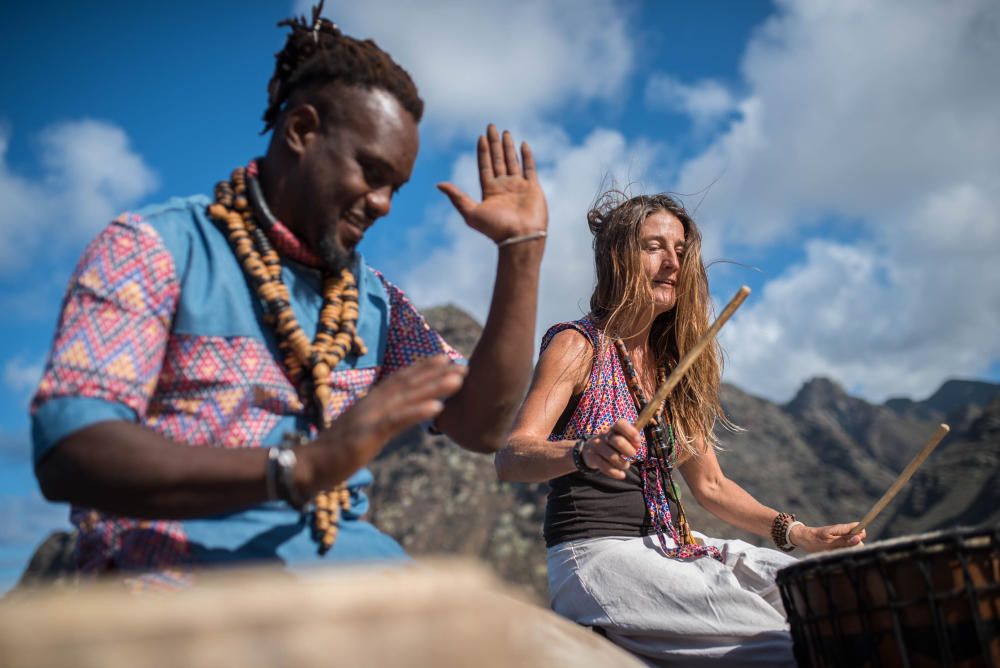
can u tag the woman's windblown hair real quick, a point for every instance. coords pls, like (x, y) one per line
(622, 300)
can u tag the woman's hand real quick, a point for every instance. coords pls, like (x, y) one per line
(830, 537)
(609, 452)
(513, 203)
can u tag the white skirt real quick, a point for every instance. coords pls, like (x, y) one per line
(672, 612)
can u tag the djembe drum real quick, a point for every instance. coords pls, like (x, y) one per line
(928, 600)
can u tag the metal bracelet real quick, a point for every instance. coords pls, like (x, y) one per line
(287, 490)
(284, 470)
(541, 234)
(271, 474)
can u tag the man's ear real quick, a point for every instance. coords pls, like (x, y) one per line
(301, 128)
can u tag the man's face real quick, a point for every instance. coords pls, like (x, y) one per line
(363, 153)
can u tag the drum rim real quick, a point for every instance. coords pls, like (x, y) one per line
(968, 536)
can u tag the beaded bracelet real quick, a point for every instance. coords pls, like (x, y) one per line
(788, 533)
(510, 241)
(578, 461)
(779, 531)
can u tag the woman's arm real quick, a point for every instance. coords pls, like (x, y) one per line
(562, 371)
(528, 455)
(731, 503)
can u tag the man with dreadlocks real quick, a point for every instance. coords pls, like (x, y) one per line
(186, 414)
(622, 557)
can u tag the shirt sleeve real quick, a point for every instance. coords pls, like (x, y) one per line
(111, 336)
(410, 337)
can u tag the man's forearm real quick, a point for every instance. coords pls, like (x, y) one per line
(128, 469)
(479, 416)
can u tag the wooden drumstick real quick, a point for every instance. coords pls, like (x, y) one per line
(903, 478)
(668, 385)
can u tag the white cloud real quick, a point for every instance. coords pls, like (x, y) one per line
(846, 114)
(503, 61)
(855, 314)
(91, 173)
(572, 177)
(883, 115)
(706, 101)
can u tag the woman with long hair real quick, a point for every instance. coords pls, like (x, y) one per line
(621, 555)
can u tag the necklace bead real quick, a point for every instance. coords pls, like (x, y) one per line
(658, 461)
(237, 210)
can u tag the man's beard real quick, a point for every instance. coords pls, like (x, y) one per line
(335, 257)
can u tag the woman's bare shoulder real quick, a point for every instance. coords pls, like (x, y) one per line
(568, 358)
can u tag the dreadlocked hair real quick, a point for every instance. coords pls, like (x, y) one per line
(317, 52)
(622, 299)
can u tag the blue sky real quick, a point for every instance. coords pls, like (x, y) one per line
(841, 153)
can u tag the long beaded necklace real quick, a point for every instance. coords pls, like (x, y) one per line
(657, 463)
(236, 209)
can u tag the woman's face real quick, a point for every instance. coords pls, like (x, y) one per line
(662, 243)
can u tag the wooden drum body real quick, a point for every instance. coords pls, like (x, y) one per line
(928, 600)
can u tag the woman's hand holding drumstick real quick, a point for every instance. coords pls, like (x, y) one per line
(611, 451)
(811, 539)
(846, 535)
(903, 478)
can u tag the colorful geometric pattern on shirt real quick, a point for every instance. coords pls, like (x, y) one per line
(606, 400)
(115, 321)
(111, 542)
(215, 390)
(114, 343)
(230, 391)
(410, 337)
(348, 386)
(212, 391)
(109, 345)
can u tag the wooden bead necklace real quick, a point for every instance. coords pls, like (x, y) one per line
(660, 456)
(237, 209)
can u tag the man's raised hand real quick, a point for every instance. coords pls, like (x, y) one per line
(513, 203)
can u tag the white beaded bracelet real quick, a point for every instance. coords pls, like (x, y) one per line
(788, 533)
(522, 237)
